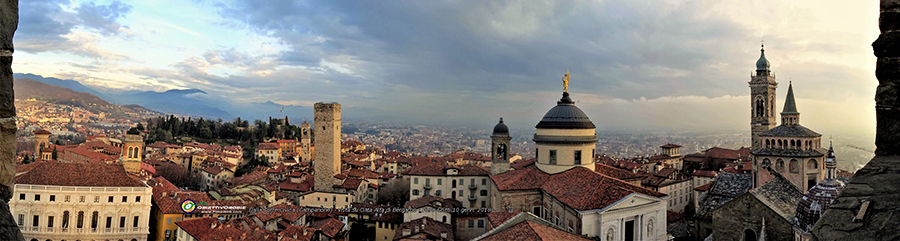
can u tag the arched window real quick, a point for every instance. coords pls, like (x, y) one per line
(94, 219)
(795, 166)
(65, 221)
(766, 162)
(792, 144)
(767, 143)
(812, 164)
(779, 165)
(760, 108)
(444, 219)
(749, 235)
(780, 144)
(80, 219)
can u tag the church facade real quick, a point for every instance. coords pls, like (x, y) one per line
(564, 189)
(790, 149)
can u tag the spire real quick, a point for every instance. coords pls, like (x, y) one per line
(790, 107)
(762, 63)
(830, 163)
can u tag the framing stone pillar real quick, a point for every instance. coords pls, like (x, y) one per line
(9, 21)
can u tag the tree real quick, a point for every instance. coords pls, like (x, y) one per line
(133, 131)
(53, 155)
(140, 127)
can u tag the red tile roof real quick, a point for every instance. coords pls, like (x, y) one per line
(330, 227)
(522, 163)
(247, 178)
(579, 188)
(267, 146)
(704, 187)
(672, 216)
(215, 170)
(528, 230)
(497, 218)
(79, 174)
(42, 132)
(198, 228)
(704, 173)
(432, 201)
(350, 183)
(670, 145)
(363, 173)
(615, 172)
(296, 233)
(425, 225)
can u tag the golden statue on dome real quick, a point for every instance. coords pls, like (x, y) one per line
(566, 82)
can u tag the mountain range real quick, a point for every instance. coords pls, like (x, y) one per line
(31, 89)
(191, 102)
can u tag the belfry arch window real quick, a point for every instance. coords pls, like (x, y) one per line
(812, 164)
(795, 166)
(779, 165)
(760, 107)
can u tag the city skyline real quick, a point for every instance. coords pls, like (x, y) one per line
(634, 65)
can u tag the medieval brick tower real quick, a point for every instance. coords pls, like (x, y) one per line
(305, 155)
(762, 99)
(328, 145)
(500, 149)
(131, 153)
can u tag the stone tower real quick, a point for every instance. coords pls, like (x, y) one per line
(500, 149)
(762, 99)
(131, 153)
(305, 155)
(328, 145)
(41, 140)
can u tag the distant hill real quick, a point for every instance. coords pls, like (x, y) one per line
(68, 84)
(28, 88)
(184, 102)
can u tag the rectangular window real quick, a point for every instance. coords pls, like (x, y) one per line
(168, 220)
(439, 181)
(462, 182)
(552, 157)
(124, 199)
(415, 180)
(21, 219)
(137, 199)
(68, 198)
(109, 200)
(96, 199)
(578, 157)
(483, 204)
(37, 197)
(484, 181)
(53, 198)
(427, 181)
(35, 220)
(122, 222)
(21, 196)
(82, 199)
(480, 223)
(471, 223)
(108, 222)
(136, 218)
(50, 221)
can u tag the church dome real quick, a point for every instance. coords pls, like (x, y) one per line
(565, 115)
(762, 63)
(501, 128)
(815, 202)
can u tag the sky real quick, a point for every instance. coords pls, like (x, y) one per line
(672, 65)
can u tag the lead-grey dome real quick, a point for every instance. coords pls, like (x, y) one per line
(565, 115)
(501, 128)
(762, 63)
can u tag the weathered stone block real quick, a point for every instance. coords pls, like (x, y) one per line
(9, 21)
(9, 230)
(886, 94)
(887, 45)
(887, 129)
(887, 69)
(887, 5)
(7, 151)
(888, 21)
(7, 97)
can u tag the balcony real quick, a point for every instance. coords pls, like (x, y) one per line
(427, 186)
(472, 198)
(472, 187)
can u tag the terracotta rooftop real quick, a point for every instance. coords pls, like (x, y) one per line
(440, 169)
(330, 227)
(497, 218)
(528, 230)
(42, 132)
(704, 173)
(79, 174)
(580, 188)
(432, 201)
(425, 225)
(704, 187)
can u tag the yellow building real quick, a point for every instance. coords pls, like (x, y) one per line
(382, 217)
(167, 210)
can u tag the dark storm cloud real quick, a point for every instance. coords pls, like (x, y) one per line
(488, 46)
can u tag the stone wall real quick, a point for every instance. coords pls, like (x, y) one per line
(868, 208)
(9, 20)
(746, 212)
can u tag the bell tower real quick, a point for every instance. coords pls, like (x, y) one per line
(305, 152)
(500, 149)
(762, 99)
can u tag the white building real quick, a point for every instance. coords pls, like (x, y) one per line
(467, 184)
(81, 201)
(564, 188)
